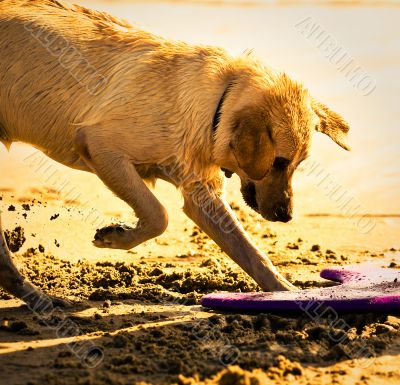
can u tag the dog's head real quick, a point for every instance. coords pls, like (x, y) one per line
(265, 133)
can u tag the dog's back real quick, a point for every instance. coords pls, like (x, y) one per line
(58, 9)
(66, 65)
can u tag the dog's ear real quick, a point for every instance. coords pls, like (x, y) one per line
(331, 124)
(252, 145)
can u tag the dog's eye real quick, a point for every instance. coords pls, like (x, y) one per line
(280, 163)
(269, 131)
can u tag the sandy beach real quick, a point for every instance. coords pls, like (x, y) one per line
(136, 316)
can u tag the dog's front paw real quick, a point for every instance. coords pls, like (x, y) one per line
(114, 237)
(284, 286)
(279, 284)
(289, 287)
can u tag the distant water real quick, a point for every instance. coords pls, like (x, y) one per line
(340, 3)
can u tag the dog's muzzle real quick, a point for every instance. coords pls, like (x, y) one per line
(281, 213)
(278, 212)
(249, 195)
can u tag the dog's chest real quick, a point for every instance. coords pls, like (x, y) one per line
(170, 172)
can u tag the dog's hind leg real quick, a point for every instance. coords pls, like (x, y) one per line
(119, 174)
(14, 283)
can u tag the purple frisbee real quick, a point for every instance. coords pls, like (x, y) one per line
(361, 289)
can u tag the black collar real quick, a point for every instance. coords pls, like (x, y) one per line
(218, 112)
(216, 120)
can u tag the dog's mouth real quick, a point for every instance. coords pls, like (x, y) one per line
(248, 191)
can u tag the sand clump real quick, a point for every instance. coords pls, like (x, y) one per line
(144, 281)
(235, 375)
(15, 238)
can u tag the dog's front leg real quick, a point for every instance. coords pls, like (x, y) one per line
(118, 173)
(215, 217)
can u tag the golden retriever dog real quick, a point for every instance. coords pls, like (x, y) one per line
(97, 94)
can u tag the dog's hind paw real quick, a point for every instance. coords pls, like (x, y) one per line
(39, 302)
(115, 237)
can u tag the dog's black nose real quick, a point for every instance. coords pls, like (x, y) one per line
(283, 214)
